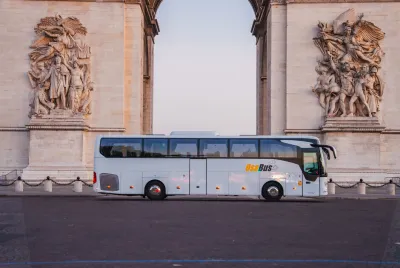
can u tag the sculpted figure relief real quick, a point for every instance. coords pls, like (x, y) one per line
(60, 67)
(348, 82)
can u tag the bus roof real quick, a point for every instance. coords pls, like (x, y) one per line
(209, 135)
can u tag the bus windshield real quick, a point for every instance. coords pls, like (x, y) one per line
(310, 163)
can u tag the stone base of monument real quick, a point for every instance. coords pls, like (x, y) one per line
(354, 175)
(57, 173)
(358, 142)
(57, 147)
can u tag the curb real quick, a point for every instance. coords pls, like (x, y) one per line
(185, 198)
(361, 198)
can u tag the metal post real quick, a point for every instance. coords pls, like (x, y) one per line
(392, 188)
(19, 185)
(331, 187)
(48, 185)
(361, 187)
(78, 185)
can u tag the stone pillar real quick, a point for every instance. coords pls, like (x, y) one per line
(259, 30)
(260, 86)
(148, 81)
(265, 95)
(133, 62)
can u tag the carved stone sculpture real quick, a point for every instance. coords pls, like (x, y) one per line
(60, 67)
(348, 82)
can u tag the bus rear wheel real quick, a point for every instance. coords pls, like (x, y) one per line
(155, 190)
(272, 191)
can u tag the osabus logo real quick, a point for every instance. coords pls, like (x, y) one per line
(259, 168)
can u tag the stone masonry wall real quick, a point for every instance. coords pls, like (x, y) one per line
(115, 35)
(292, 71)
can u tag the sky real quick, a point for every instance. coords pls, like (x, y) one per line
(205, 67)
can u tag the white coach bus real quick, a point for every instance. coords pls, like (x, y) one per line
(204, 163)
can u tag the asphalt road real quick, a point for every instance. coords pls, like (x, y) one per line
(109, 232)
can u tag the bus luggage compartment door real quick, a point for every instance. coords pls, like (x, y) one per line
(198, 176)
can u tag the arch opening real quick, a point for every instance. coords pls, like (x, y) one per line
(207, 73)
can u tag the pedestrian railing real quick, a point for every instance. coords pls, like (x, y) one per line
(77, 184)
(47, 183)
(362, 186)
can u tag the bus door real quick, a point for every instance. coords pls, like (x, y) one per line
(310, 173)
(198, 176)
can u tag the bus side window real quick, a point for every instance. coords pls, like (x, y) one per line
(310, 163)
(183, 147)
(121, 148)
(243, 148)
(277, 149)
(155, 148)
(213, 148)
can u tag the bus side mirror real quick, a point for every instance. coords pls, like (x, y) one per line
(323, 146)
(326, 151)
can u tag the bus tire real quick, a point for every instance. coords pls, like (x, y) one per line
(272, 191)
(155, 190)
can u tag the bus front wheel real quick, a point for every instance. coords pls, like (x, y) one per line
(272, 191)
(155, 190)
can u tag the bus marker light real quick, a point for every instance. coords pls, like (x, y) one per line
(299, 183)
(178, 187)
(243, 188)
(217, 187)
(131, 187)
(108, 186)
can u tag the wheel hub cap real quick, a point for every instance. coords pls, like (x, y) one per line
(273, 191)
(155, 190)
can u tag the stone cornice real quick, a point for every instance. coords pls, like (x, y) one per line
(69, 128)
(302, 131)
(94, 1)
(151, 24)
(106, 129)
(352, 124)
(13, 129)
(391, 131)
(353, 129)
(259, 24)
(60, 127)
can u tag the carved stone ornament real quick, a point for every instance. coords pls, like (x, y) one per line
(60, 68)
(349, 83)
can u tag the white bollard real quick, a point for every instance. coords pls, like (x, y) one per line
(392, 188)
(19, 185)
(78, 186)
(361, 187)
(48, 185)
(331, 188)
